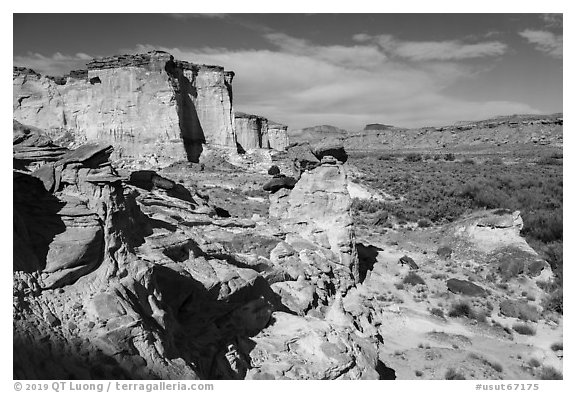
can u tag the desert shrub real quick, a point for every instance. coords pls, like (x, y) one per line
(557, 347)
(449, 157)
(557, 155)
(399, 286)
(386, 157)
(496, 161)
(496, 366)
(424, 223)
(452, 374)
(418, 373)
(550, 373)
(468, 161)
(413, 279)
(549, 161)
(534, 363)
(437, 157)
(437, 312)
(274, 170)
(461, 309)
(554, 302)
(413, 157)
(544, 225)
(525, 330)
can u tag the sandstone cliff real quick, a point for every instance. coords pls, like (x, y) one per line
(255, 132)
(135, 102)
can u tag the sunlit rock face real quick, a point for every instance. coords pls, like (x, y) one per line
(135, 102)
(319, 209)
(257, 132)
(277, 136)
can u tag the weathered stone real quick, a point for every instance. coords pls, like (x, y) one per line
(444, 252)
(330, 147)
(302, 157)
(308, 348)
(318, 209)
(464, 287)
(406, 260)
(279, 182)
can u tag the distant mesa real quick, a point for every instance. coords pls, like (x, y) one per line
(377, 126)
(317, 133)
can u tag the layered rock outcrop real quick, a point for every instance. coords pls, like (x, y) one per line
(134, 102)
(254, 132)
(319, 209)
(137, 276)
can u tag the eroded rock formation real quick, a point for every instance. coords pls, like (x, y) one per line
(137, 276)
(255, 132)
(135, 102)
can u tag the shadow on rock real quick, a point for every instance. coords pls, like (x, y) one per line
(367, 255)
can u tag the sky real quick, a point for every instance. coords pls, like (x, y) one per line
(346, 70)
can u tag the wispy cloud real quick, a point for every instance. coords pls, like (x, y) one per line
(544, 41)
(450, 50)
(302, 84)
(57, 64)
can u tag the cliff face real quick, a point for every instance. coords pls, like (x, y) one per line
(255, 132)
(132, 101)
(277, 136)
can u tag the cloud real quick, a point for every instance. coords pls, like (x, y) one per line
(545, 41)
(434, 50)
(57, 64)
(303, 84)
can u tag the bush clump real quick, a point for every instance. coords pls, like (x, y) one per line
(437, 312)
(413, 279)
(557, 347)
(452, 374)
(523, 329)
(461, 309)
(413, 157)
(550, 373)
(424, 223)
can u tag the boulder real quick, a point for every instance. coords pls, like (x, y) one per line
(274, 170)
(309, 348)
(302, 157)
(520, 310)
(330, 147)
(406, 260)
(444, 252)
(278, 183)
(464, 287)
